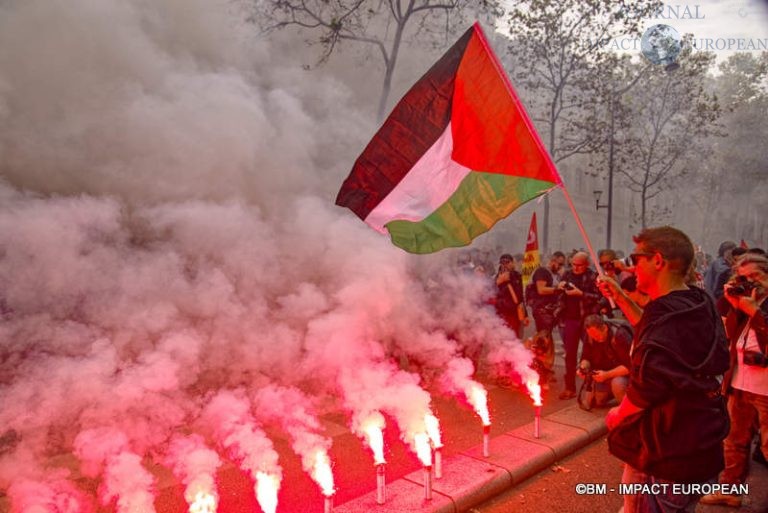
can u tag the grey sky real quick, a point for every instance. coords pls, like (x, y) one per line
(720, 21)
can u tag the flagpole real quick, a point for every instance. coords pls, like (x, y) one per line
(542, 149)
(591, 250)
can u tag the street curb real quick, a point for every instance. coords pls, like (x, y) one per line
(593, 423)
(470, 479)
(402, 496)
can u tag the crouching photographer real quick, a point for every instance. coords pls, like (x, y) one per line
(605, 361)
(746, 383)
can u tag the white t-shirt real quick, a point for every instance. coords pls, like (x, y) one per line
(749, 378)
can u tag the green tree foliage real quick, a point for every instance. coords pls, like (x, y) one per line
(733, 182)
(741, 86)
(560, 48)
(613, 120)
(671, 115)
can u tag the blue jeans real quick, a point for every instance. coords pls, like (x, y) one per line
(614, 387)
(655, 503)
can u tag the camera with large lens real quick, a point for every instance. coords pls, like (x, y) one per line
(586, 372)
(586, 396)
(741, 287)
(539, 346)
(755, 359)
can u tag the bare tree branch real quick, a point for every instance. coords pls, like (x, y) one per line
(370, 22)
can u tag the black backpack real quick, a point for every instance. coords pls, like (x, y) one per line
(620, 324)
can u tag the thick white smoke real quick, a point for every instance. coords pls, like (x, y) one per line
(54, 496)
(195, 465)
(227, 417)
(106, 453)
(168, 235)
(293, 411)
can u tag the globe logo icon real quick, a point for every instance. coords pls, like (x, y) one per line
(660, 44)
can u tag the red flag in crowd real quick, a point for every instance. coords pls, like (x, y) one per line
(531, 258)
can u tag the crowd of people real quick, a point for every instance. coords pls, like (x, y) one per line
(675, 341)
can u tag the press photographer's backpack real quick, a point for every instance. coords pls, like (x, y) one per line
(620, 324)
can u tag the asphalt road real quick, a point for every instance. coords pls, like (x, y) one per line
(555, 489)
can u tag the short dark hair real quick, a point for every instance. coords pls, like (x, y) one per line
(611, 253)
(738, 251)
(506, 256)
(673, 244)
(557, 254)
(724, 247)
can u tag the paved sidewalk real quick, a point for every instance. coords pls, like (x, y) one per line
(470, 479)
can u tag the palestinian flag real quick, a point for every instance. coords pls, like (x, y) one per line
(457, 154)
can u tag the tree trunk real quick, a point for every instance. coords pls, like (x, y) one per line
(390, 70)
(384, 93)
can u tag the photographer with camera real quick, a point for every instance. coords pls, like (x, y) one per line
(542, 294)
(605, 358)
(614, 268)
(579, 298)
(746, 383)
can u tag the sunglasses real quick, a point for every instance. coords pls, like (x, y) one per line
(635, 257)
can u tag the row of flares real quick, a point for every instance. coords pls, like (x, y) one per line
(427, 445)
(106, 451)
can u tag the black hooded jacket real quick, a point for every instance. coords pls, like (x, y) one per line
(679, 355)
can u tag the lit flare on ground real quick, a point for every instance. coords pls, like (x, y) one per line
(423, 450)
(433, 430)
(322, 474)
(373, 429)
(203, 502)
(478, 398)
(267, 486)
(533, 387)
